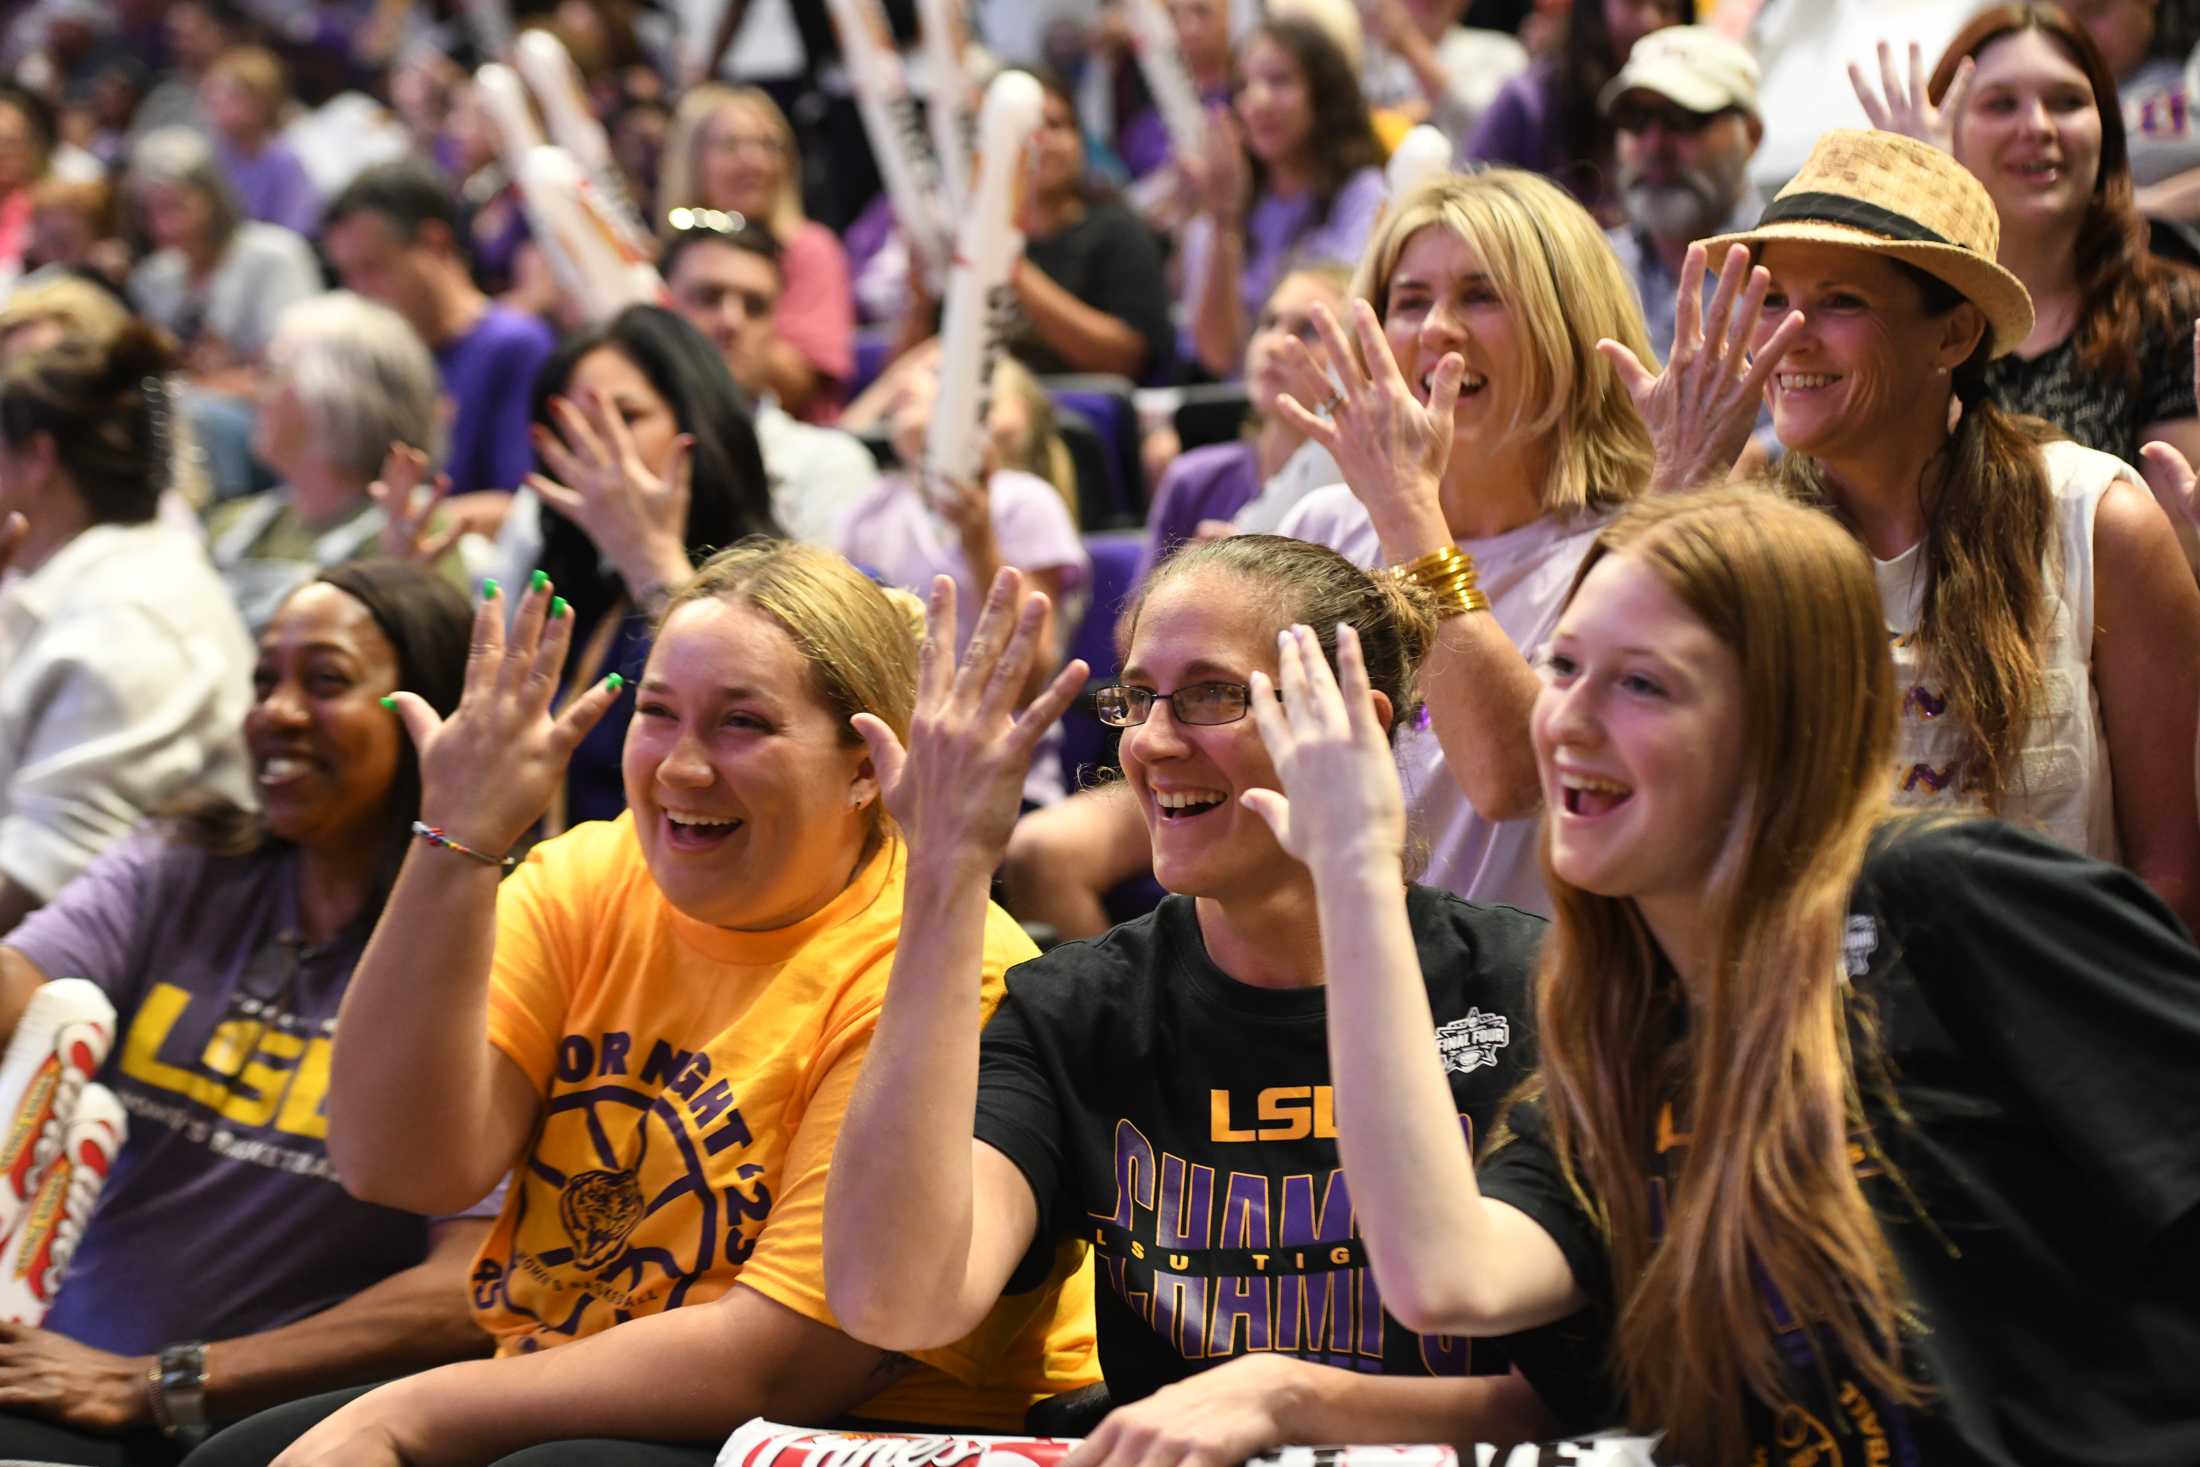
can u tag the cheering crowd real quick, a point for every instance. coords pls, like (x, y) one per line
(635, 901)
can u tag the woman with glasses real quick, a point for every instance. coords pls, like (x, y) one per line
(731, 153)
(1162, 1093)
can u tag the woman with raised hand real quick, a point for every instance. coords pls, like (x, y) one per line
(1862, 1135)
(225, 938)
(1483, 441)
(653, 1025)
(1162, 1092)
(1293, 173)
(2045, 627)
(2023, 99)
(649, 464)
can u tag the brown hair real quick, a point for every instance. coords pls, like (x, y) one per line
(1765, 1196)
(1989, 530)
(1309, 584)
(254, 71)
(107, 407)
(859, 640)
(2129, 294)
(1565, 290)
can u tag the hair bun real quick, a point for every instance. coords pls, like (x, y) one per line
(139, 350)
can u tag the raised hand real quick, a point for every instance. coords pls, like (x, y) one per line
(1701, 408)
(406, 513)
(957, 788)
(634, 512)
(1341, 809)
(1222, 180)
(1909, 110)
(1391, 448)
(488, 771)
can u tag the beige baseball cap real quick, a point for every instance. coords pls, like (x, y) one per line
(1692, 65)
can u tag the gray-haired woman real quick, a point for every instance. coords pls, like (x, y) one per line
(347, 383)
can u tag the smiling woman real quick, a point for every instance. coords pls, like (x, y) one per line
(654, 1026)
(226, 940)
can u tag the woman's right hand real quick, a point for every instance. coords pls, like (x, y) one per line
(957, 788)
(1341, 808)
(406, 514)
(488, 771)
(1701, 408)
(1910, 110)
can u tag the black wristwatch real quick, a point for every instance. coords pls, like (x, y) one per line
(177, 1387)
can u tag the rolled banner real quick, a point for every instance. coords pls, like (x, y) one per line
(943, 27)
(35, 1260)
(548, 69)
(896, 133)
(1153, 38)
(491, 23)
(761, 1443)
(592, 256)
(58, 1045)
(1421, 154)
(981, 304)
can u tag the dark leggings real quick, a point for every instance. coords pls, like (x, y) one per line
(27, 1439)
(259, 1440)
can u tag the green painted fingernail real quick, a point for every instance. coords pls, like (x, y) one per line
(390, 703)
(614, 682)
(488, 588)
(538, 580)
(558, 605)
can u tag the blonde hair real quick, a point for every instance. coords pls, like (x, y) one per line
(1766, 1196)
(1040, 450)
(859, 640)
(680, 182)
(255, 71)
(1557, 276)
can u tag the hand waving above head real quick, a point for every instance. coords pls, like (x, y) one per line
(488, 771)
(957, 787)
(1701, 407)
(1908, 109)
(1341, 808)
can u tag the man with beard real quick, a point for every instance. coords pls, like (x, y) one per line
(1684, 109)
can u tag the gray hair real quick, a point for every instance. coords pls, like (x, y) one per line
(364, 376)
(182, 156)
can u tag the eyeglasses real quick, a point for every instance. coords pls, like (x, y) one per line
(717, 221)
(1637, 117)
(1199, 703)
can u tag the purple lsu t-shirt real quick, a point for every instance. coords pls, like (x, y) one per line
(489, 374)
(221, 1216)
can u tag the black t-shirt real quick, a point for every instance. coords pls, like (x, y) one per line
(2041, 1016)
(2105, 411)
(1184, 1123)
(1108, 260)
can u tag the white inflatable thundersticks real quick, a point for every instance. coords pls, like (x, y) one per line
(1421, 155)
(35, 1258)
(50, 1173)
(943, 28)
(896, 134)
(549, 72)
(1153, 39)
(981, 302)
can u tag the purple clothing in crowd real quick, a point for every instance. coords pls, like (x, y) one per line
(221, 1216)
(1143, 142)
(489, 373)
(272, 185)
(1282, 232)
(1520, 130)
(1211, 482)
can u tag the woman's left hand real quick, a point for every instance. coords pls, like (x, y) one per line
(406, 513)
(52, 1376)
(1217, 1418)
(635, 513)
(1910, 110)
(1341, 808)
(1392, 449)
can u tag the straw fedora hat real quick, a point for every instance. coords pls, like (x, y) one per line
(1907, 200)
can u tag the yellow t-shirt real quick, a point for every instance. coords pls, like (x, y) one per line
(693, 1080)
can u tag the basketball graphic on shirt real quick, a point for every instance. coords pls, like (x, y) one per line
(599, 1209)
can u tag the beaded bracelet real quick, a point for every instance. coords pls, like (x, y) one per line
(434, 836)
(1450, 578)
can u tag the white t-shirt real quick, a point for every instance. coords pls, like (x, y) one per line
(817, 474)
(2061, 786)
(125, 674)
(1526, 574)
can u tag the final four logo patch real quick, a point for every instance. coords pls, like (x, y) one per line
(1472, 1043)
